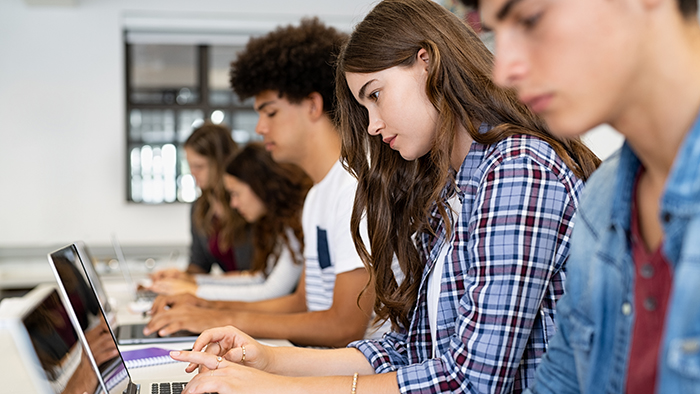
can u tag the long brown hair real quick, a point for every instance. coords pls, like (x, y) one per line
(282, 188)
(396, 195)
(215, 143)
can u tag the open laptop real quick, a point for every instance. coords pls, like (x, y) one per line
(142, 295)
(69, 346)
(77, 278)
(37, 330)
(86, 257)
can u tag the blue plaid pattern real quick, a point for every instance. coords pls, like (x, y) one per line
(502, 277)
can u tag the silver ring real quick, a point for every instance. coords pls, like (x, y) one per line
(243, 356)
(218, 361)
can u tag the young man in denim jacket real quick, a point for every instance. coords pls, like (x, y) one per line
(630, 321)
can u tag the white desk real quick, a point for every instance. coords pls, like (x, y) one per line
(120, 296)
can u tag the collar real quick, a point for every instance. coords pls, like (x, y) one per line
(682, 191)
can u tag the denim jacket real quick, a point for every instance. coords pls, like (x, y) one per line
(590, 351)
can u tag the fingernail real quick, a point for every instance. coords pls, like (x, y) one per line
(175, 353)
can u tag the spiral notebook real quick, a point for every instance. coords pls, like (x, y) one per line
(147, 357)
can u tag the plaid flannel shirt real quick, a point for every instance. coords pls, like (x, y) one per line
(502, 277)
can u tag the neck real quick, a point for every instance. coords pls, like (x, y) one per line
(322, 150)
(664, 101)
(460, 149)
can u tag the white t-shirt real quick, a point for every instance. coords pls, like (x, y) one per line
(435, 276)
(282, 277)
(328, 246)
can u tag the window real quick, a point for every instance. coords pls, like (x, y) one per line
(170, 90)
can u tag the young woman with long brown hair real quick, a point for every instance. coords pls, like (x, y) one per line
(219, 234)
(270, 197)
(466, 188)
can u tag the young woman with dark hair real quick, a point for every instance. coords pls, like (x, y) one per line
(466, 188)
(270, 197)
(219, 234)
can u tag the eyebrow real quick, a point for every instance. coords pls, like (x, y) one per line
(506, 9)
(361, 93)
(263, 105)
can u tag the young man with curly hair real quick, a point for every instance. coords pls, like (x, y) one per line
(630, 319)
(289, 72)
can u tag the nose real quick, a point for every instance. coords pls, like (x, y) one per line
(260, 126)
(375, 126)
(510, 63)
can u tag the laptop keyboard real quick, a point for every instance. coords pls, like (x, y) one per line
(145, 295)
(168, 388)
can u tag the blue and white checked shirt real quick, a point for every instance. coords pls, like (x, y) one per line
(502, 276)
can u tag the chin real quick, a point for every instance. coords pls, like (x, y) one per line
(566, 125)
(279, 157)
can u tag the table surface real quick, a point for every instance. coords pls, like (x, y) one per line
(120, 297)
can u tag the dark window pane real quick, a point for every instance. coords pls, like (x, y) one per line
(163, 66)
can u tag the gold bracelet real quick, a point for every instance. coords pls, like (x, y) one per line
(354, 384)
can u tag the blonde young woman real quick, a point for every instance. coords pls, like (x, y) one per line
(467, 188)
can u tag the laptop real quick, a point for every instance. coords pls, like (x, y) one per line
(85, 256)
(112, 374)
(142, 296)
(37, 330)
(78, 279)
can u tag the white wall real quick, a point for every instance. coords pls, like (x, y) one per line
(62, 135)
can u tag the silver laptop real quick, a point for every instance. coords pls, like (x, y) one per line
(112, 375)
(78, 279)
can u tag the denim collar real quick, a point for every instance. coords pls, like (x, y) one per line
(624, 183)
(681, 194)
(682, 191)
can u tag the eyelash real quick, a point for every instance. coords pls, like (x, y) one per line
(271, 114)
(530, 22)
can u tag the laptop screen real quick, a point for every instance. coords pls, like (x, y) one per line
(57, 348)
(90, 316)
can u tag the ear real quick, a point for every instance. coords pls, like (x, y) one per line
(424, 57)
(315, 101)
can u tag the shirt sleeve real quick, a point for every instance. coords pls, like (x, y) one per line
(386, 354)
(344, 253)
(242, 278)
(281, 281)
(507, 253)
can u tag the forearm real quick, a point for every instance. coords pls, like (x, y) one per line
(287, 304)
(373, 384)
(324, 328)
(296, 361)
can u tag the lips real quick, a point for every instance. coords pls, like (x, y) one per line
(390, 141)
(537, 104)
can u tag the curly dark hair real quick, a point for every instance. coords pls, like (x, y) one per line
(293, 60)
